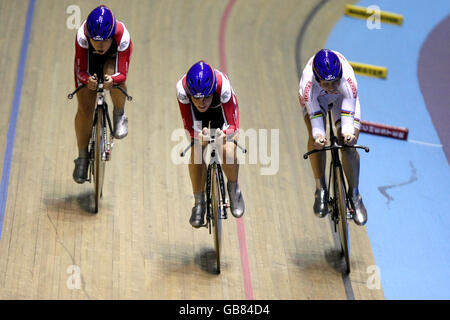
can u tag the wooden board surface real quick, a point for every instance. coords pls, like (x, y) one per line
(140, 245)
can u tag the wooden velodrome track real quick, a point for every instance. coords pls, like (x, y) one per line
(140, 245)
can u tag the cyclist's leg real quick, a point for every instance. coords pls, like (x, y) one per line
(317, 160)
(318, 163)
(84, 117)
(350, 157)
(351, 166)
(230, 162)
(83, 129)
(118, 98)
(197, 173)
(230, 167)
(197, 170)
(350, 161)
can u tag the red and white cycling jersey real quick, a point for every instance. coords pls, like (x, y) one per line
(121, 49)
(223, 112)
(315, 101)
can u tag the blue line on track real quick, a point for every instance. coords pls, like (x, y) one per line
(15, 113)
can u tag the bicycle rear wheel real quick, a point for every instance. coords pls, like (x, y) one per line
(342, 224)
(99, 164)
(216, 214)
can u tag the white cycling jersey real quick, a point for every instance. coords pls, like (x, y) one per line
(315, 100)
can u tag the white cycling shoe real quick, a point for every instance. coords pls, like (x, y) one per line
(360, 213)
(120, 126)
(236, 199)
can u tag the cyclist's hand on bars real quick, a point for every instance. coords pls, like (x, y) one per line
(319, 142)
(349, 139)
(204, 137)
(92, 82)
(108, 83)
(221, 135)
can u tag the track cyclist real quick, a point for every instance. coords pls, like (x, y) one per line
(205, 97)
(102, 40)
(328, 80)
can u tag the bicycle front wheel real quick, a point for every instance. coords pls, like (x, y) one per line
(99, 164)
(342, 224)
(216, 214)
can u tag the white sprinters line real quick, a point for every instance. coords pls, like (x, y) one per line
(426, 143)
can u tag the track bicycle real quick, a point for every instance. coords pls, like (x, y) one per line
(102, 141)
(340, 205)
(216, 201)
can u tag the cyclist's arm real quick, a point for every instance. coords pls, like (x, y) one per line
(348, 106)
(230, 105)
(124, 51)
(349, 89)
(231, 112)
(186, 111)
(123, 64)
(186, 115)
(309, 101)
(81, 63)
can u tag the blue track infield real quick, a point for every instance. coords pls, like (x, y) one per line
(405, 184)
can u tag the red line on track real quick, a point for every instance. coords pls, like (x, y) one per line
(239, 222)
